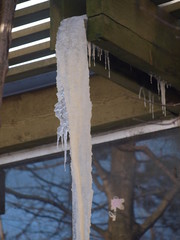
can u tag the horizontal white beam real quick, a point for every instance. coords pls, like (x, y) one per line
(49, 149)
(28, 48)
(29, 4)
(22, 10)
(170, 6)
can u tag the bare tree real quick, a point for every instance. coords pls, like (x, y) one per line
(46, 201)
(7, 8)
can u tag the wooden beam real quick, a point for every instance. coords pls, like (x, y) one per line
(30, 68)
(61, 9)
(138, 34)
(32, 9)
(170, 6)
(31, 30)
(29, 49)
(29, 119)
(132, 83)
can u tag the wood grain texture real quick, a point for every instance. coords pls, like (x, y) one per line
(29, 118)
(138, 34)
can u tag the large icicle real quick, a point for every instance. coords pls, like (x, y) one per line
(73, 76)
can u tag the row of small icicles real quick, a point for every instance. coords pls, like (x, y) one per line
(149, 100)
(94, 50)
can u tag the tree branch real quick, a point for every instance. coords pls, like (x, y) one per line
(37, 198)
(6, 17)
(151, 220)
(149, 153)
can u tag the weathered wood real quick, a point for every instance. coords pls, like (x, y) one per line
(29, 49)
(170, 6)
(124, 29)
(31, 69)
(132, 83)
(24, 122)
(32, 9)
(141, 17)
(60, 9)
(31, 30)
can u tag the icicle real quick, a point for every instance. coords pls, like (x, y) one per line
(152, 106)
(61, 114)
(141, 90)
(158, 85)
(163, 96)
(99, 50)
(151, 76)
(89, 53)
(150, 103)
(94, 54)
(73, 76)
(92, 49)
(107, 62)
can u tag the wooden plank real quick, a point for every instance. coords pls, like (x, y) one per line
(24, 122)
(28, 50)
(132, 83)
(33, 17)
(31, 69)
(132, 48)
(143, 18)
(157, 2)
(30, 30)
(31, 66)
(30, 38)
(60, 9)
(170, 6)
(32, 9)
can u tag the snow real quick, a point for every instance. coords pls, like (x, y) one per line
(74, 111)
(116, 203)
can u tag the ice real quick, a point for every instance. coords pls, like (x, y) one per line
(141, 91)
(74, 111)
(163, 96)
(61, 114)
(96, 52)
(161, 88)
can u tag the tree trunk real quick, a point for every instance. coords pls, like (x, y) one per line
(122, 185)
(6, 17)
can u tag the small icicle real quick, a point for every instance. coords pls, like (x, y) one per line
(152, 107)
(94, 54)
(151, 76)
(108, 63)
(61, 114)
(150, 103)
(158, 86)
(89, 53)
(105, 60)
(163, 96)
(100, 53)
(141, 90)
